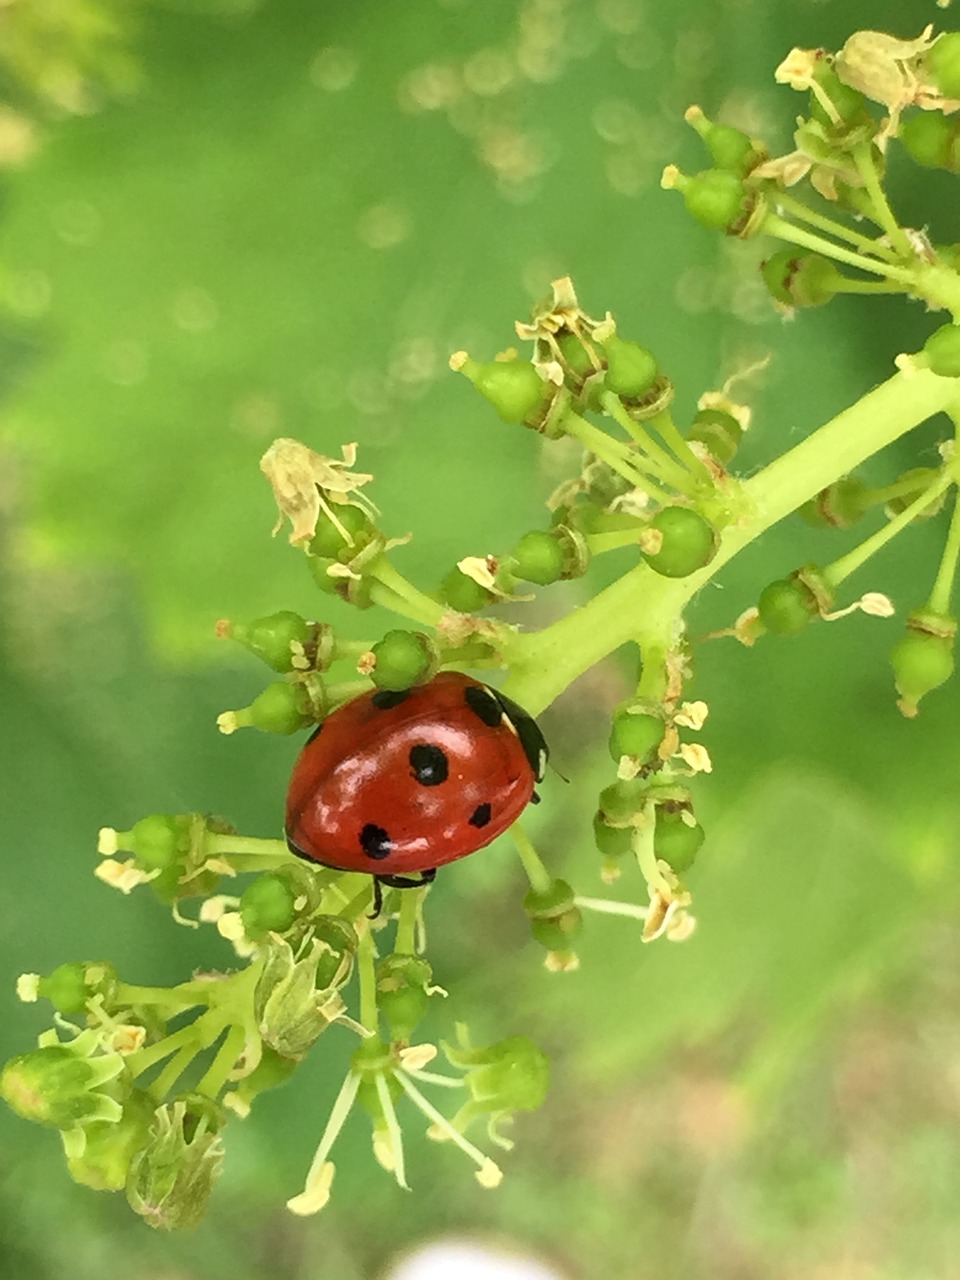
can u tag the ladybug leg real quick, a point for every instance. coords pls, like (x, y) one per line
(398, 882)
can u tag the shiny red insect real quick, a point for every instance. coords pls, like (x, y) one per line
(395, 783)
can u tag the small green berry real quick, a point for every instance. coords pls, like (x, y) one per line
(688, 542)
(575, 354)
(848, 103)
(463, 593)
(157, 841)
(402, 993)
(786, 606)
(631, 369)
(267, 906)
(272, 638)
(403, 659)
(675, 841)
(923, 659)
(637, 734)
(838, 506)
(942, 350)
(538, 557)
(622, 801)
(351, 531)
(514, 387)
(928, 138)
(801, 279)
(942, 64)
(716, 198)
(612, 842)
(281, 708)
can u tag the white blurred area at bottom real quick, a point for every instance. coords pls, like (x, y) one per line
(467, 1260)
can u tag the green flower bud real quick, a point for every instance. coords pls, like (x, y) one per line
(511, 1075)
(403, 659)
(292, 1010)
(109, 1147)
(159, 840)
(688, 542)
(929, 138)
(942, 64)
(838, 506)
(268, 905)
(341, 540)
(538, 557)
(554, 919)
(631, 369)
(173, 1175)
(70, 986)
(923, 660)
(799, 279)
(337, 942)
(717, 199)
(281, 708)
(612, 842)
(729, 148)
(848, 103)
(674, 840)
(622, 801)
(787, 605)
(637, 731)
(942, 350)
(575, 355)
(270, 1072)
(403, 995)
(719, 431)
(66, 1085)
(513, 387)
(274, 639)
(462, 593)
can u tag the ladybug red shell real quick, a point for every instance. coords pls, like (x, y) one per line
(399, 782)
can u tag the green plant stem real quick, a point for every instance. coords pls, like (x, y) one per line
(617, 456)
(185, 996)
(665, 425)
(219, 844)
(898, 489)
(641, 603)
(215, 1077)
(540, 878)
(367, 977)
(841, 569)
(942, 590)
(863, 159)
(673, 472)
(418, 606)
(776, 226)
(866, 244)
(405, 941)
(151, 1054)
(849, 285)
(597, 543)
(171, 1073)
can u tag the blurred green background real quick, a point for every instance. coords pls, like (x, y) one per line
(223, 221)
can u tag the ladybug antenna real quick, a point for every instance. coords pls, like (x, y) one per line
(562, 776)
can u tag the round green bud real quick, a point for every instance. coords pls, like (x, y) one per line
(267, 905)
(688, 542)
(156, 840)
(463, 593)
(556, 933)
(848, 103)
(731, 149)
(513, 387)
(70, 986)
(575, 354)
(798, 279)
(402, 996)
(719, 431)
(923, 659)
(631, 369)
(340, 943)
(110, 1146)
(351, 530)
(928, 139)
(272, 638)
(538, 557)
(612, 842)
(636, 734)
(716, 198)
(942, 64)
(674, 841)
(622, 801)
(786, 606)
(942, 350)
(838, 506)
(541, 904)
(281, 708)
(403, 659)
(272, 1070)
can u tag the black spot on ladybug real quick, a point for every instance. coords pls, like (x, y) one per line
(528, 731)
(429, 765)
(375, 842)
(480, 816)
(384, 699)
(483, 704)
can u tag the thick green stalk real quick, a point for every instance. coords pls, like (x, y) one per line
(642, 603)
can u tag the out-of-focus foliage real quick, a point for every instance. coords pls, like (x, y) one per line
(285, 227)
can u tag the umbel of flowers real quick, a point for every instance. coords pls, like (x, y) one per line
(141, 1082)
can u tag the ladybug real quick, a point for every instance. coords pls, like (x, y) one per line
(401, 782)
